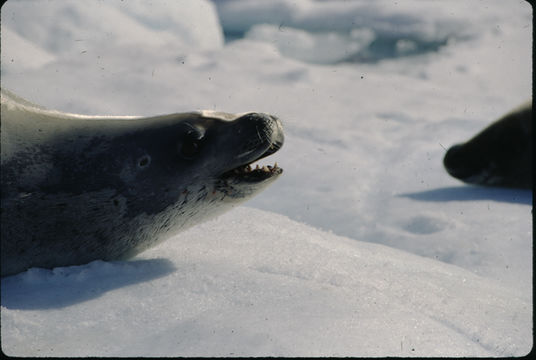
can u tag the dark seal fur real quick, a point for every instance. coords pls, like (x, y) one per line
(79, 188)
(500, 155)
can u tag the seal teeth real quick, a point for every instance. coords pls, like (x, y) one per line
(259, 169)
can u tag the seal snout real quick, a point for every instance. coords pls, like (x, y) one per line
(266, 132)
(268, 126)
(262, 136)
(452, 160)
(462, 164)
(459, 164)
(273, 134)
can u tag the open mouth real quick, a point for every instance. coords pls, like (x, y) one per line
(261, 136)
(247, 172)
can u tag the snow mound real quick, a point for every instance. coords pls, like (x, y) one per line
(254, 283)
(83, 28)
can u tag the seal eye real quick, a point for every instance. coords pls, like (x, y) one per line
(144, 161)
(191, 145)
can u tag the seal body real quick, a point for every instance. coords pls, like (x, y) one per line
(79, 188)
(500, 155)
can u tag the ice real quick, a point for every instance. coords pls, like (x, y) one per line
(324, 48)
(364, 247)
(343, 31)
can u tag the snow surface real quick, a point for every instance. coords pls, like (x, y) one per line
(364, 247)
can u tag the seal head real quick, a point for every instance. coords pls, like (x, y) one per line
(78, 188)
(500, 155)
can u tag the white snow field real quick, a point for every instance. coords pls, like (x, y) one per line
(364, 247)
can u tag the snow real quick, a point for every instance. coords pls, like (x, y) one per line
(364, 247)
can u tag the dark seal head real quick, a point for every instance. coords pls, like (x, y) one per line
(79, 188)
(500, 155)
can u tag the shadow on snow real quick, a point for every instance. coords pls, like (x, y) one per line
(60, 287)
(471, 193)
